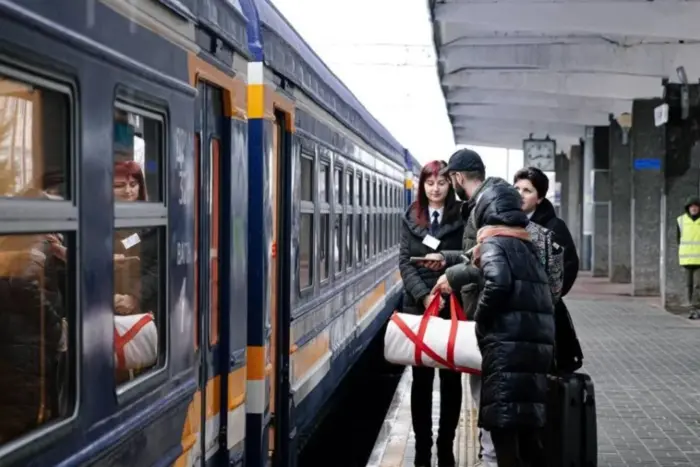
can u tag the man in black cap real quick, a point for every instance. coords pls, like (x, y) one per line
(468, 174)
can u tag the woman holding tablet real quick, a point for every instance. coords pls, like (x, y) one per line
(431, 224)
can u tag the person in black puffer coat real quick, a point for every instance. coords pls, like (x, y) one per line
(515, 329)
(533, 185)
(435, 213)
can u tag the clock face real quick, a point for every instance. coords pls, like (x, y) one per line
(540, 154)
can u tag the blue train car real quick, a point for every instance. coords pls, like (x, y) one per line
(189, 176)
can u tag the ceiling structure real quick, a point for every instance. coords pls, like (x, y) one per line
(509, 68)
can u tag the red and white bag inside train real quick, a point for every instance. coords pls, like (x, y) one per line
(135, 341)
(431, 341)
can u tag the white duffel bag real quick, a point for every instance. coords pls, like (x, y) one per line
(431, 341)
(135, 341)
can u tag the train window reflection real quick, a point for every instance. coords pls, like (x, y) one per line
(307, 178)
(138, 307)
(34, 141)
(36, 328)
(306, 240)
(324, 251)
(323, 184)
(138, 149)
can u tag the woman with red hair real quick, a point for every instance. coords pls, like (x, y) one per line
(431, 224)
(129, 182)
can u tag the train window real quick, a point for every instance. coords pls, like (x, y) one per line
(358, 238)
(366, 236)
(375, 228)
(358, 194)
(337, 184)
(38, 261)
(349, 188)
(307, 177)
(323, 183)
(324, 252)
(306, 242)
(34, 141)
(337, 252)
(368, 193)
(139, 239)
(349, 235)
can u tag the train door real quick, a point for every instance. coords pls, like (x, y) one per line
(281, 181)
(209, 141)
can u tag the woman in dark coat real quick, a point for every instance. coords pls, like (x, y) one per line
(533, 185)
(435, 213)
(515, 329)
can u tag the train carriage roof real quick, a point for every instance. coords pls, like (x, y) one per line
(288, 54)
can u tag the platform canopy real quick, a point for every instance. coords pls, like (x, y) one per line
(509, 68)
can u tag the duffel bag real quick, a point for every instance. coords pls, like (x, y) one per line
(431, 341)
(135, 341)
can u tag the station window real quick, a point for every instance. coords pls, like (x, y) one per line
(306, 227)
(139, 237)
(38, 229)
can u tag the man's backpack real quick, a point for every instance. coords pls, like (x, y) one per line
(551, 255)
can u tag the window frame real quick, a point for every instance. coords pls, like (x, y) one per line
(24, 216)
(324, 209)
(141, 215)
(306, 208)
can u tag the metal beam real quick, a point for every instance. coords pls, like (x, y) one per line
(537, 99)
(539, 114)
(505, 139)
(667, 20)
(645, 60)
(578, 84)
(524, 126)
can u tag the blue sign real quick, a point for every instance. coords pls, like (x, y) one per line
(647, 164)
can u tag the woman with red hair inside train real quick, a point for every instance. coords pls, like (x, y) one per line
(431, 224)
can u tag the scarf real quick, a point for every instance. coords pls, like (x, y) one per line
(496, 231)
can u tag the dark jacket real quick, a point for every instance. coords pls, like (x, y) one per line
(417, 280)
(514, 318)
(568, 352)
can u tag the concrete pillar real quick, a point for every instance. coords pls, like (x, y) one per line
(587, 238)
(574, 219)
(648, 147)
(620, 245)
(682, 179)
(600, 178)
(561, 179)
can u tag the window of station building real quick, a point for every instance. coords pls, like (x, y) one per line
(306, 228)
(38, 256)
(139, 237)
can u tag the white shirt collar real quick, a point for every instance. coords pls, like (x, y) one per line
(431, 211)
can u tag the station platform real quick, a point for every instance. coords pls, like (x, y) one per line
(645, 363)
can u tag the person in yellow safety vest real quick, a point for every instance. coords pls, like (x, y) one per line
(689, 252)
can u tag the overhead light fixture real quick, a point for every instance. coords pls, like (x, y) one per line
(625, 122)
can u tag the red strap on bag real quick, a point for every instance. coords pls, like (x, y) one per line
(428, 351)
(456, 314)
(121, 341)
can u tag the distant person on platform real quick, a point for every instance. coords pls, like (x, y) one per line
(689, 252)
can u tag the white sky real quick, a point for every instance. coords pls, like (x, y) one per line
(390, 67)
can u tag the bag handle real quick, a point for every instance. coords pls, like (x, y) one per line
(433, 309)
(456, 314)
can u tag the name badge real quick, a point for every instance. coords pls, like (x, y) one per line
(431, 242)
(131, 240)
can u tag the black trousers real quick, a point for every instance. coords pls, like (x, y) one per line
(421, 412)
(519, 448)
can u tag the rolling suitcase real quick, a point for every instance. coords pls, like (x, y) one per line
(571, 434)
